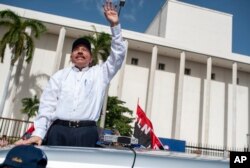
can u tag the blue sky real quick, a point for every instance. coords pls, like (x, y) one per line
(138, 14)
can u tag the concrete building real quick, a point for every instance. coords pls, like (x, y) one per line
(188, 80)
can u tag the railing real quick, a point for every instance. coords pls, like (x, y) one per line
(12, 129)
(211, 150)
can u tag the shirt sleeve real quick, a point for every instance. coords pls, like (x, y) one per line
(47, 106)
(117, 54)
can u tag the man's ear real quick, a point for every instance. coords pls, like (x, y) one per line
(91, 62)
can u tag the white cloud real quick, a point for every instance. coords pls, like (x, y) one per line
(99, 7)
(141, 2)
(84, 3)
(131, 14)
(129, 17)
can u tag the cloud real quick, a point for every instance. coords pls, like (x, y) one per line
(99, 7)
(135, 6)
(129, 17)
(89, 4)
(130, 14)
(83, 3)
(141, 2)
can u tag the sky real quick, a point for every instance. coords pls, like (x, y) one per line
(136, 15)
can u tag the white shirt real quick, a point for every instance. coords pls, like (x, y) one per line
(72, 94)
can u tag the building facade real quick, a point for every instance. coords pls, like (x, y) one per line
(182, 70)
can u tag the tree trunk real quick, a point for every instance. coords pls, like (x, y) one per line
(104, 109)
(5, 90)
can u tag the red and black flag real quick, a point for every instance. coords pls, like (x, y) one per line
(29, 132)
(144, 131)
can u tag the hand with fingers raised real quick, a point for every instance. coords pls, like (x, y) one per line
(110, 12)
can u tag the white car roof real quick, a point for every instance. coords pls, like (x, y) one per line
(81, 157)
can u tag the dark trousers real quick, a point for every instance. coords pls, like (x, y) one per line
(61, 135)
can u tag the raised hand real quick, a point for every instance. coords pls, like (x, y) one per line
(110, 13)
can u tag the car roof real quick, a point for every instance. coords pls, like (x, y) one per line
(65, 157)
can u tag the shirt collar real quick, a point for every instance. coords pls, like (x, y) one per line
(78, 70)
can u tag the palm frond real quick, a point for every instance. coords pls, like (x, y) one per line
(30, 106)
(36, 26)
(6, 23)
(8, 14)
(29, 48)
(101, 43)
(3, 44)
(19, 41)
(2, 51)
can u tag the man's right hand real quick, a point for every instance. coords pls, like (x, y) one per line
(33, 140)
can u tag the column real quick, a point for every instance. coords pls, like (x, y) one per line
(207, 98)
(59, 49)
(177, 118)
(151, 81)
(234, 99)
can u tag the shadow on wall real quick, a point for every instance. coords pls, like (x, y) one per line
(26, 88)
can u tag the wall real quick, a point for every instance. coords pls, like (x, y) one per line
(199, 29)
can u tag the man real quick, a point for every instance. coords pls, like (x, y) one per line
(71, 102)
(25, 156)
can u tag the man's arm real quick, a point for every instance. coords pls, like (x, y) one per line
(47, 107)
(118, 47)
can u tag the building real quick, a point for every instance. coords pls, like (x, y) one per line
(182, 69)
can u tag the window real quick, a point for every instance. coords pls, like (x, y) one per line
(134, 61)
(238, 81)
(213, 76)
(187, 71)
(161, 66)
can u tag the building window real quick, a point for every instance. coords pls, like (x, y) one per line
(161, 66)
(134, 61)
(238, 81)
(187, 71)
(213, 76)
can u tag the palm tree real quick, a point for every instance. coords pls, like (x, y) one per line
(101, 43)
(101, 46)
(19, 40)
(30, 106)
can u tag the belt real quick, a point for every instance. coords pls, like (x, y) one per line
(74, 124)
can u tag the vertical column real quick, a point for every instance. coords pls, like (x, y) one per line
(177, 119)
(59, 49)
(225, 136)
(248, 134)
(207, 98)
(151, 81)
(234, 99)
(121, 76)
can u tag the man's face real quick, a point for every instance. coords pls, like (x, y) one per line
(81, 56)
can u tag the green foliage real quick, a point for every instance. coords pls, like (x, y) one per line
(100, 46)
(115, 118)
(16, 36)
(30, 106)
